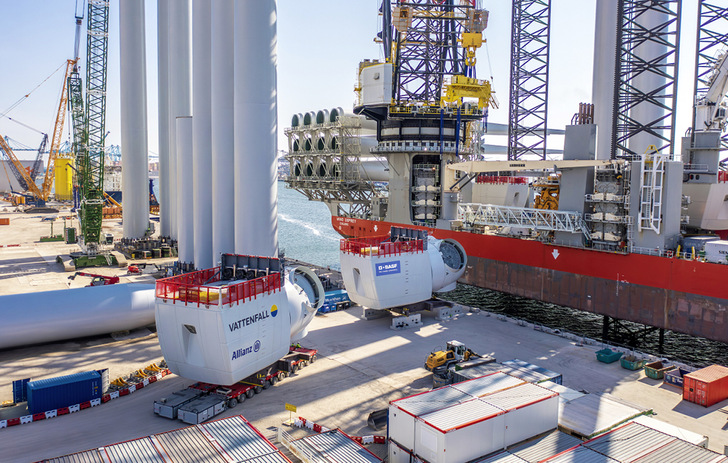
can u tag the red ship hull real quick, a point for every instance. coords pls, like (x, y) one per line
(676, 294)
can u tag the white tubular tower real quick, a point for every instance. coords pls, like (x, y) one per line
(134, 163)
(201, 130)
(223, 227)
(179, 92)
(165, 218)
(185, 194)
(256, 188)
(74, 313)
(605, 47)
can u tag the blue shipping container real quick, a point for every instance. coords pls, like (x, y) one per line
(62, 391)
(339, 295)
(20, 390)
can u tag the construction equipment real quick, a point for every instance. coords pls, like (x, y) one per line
(455, 352)
(201, 401)
(26, 179)
(97, 280)
(89, 131)
(143, 268)
(22, 175)
(57, 133)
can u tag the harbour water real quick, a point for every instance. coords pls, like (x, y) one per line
(304, 229)
(306, 234)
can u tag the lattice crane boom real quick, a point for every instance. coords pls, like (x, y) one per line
(89, 135)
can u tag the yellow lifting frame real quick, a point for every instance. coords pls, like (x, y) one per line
(466, 87)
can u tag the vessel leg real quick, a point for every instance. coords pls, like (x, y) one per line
(605, 328)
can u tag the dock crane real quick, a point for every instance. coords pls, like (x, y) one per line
(26, 179)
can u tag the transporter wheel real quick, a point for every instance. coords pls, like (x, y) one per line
(274, 380)
(266, 384)
(304, 363)
(258, 389)
(281, 376)
(313, 358)
(232, 403)
(249, 393)
(294, 368)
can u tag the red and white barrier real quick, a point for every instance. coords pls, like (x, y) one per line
(301, 422)
(88, 404)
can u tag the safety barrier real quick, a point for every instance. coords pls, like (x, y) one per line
(84, 405)
(301, 422)
(375, 247)
(194, 288)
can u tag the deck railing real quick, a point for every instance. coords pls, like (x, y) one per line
(196, 288)
(377, 247)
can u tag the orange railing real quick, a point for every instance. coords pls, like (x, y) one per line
(197, 288)
(375, 247)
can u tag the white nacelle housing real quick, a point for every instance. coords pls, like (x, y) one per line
(382, 275)
(221, 331)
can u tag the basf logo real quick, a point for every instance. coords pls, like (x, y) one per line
(387, 268)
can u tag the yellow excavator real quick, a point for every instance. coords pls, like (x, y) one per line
(455, 351)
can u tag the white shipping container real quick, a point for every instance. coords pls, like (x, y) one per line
(460, 433)
(403, 413)
(532, 410)
(717, 251)
(488, 384)
(467, 430)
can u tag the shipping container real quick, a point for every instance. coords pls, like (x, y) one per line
(456, 432)
(403, 413)
(62, 391)
(707, 386)
(675, 377)
(488, 384)
(717, 251)
(460, 433)
(687, 243)
(531, 410)
(476, 371)
(532, 373)
(526, 371)
(201, 409)
(168, 406)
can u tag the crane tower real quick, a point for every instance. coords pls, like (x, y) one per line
(89, 125)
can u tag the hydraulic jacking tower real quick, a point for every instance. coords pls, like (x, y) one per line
(427, 102)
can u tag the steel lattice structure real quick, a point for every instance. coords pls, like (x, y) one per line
(533, 219)
(712, 40)
(91, 181)
(633, 35)
(530, 32)
(428, 50)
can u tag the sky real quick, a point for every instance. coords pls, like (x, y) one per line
(320, 43)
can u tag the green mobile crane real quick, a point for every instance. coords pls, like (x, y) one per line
(88, 132)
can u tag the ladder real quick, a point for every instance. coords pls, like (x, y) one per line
(651, 191)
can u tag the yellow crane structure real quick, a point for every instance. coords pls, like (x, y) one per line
(42, 193)
(57, 132)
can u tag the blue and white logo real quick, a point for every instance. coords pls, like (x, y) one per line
(256, 346)
(388, 268)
